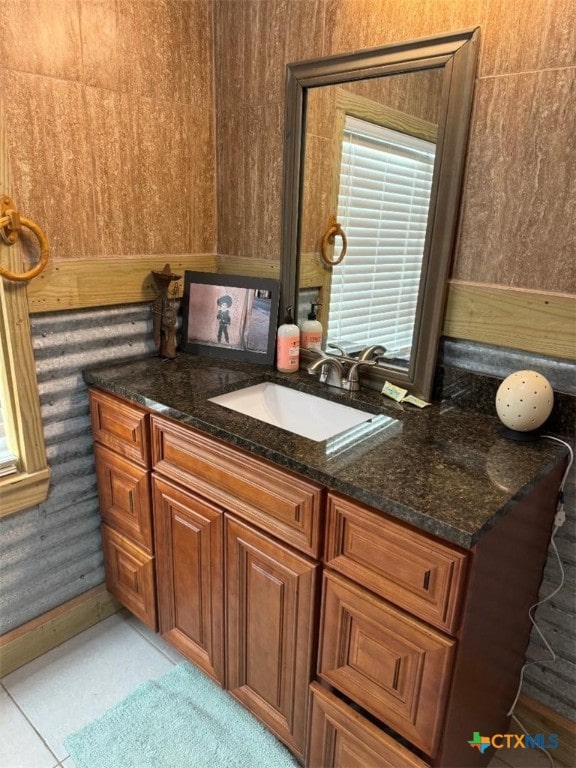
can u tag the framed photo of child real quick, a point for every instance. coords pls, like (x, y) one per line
(230, 316)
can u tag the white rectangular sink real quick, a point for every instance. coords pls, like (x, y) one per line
(297, 412)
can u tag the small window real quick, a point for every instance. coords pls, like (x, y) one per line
(8, 459)
(383, 202)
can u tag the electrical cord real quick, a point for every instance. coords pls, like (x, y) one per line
(559, 520)
(548, 755)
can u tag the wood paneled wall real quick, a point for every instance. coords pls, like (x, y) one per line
(153, 132)
(519, 190)
(109, 120)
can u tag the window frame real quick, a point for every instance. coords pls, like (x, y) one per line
(29, 485)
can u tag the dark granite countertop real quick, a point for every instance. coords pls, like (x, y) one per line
(443, 469)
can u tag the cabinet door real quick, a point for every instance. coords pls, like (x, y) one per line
(270, 605)
(129, 575)
(394, 666)
(340, 737)
(189, 566)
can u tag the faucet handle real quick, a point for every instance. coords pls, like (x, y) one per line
(374, 352)
(358, 363)
(353, 380)
(339, 348)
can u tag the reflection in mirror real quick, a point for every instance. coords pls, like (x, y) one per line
(370, 149)
(374, 145)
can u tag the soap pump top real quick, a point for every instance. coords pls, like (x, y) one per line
(288, 345)
(312, 313)
(311, 332)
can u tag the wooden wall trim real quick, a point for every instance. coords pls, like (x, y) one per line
(512, 317)
(538, 718)
(381, 114)
(25, 643)
(534, 321)
(84, 283)
(23, 490)
(242, 265)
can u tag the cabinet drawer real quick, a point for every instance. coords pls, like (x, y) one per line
(124, 491)
(130, 575)
(275, 500)
(408, 568)
(120, 426)
(391, 664)
(342, 738)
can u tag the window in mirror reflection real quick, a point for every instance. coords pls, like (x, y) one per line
(383, 201)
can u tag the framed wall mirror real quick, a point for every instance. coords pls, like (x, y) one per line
(375, 143)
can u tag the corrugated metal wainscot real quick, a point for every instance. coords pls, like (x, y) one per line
(52, 553)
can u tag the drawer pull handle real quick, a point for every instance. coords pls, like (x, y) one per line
(396, 674)
(426, 584)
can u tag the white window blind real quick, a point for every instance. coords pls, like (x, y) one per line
(383, 202)
(8, 460)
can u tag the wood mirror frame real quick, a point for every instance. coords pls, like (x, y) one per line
(456, 54)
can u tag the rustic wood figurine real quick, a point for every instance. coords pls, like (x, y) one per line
(163, 314)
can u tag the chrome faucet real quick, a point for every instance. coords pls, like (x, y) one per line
(331, 370)
(334, 374)
(372, 353)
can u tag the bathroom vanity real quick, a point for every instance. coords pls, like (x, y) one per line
(365, 597)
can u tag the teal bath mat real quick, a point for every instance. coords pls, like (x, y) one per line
(180, 720)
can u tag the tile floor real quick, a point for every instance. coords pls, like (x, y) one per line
(56, 694)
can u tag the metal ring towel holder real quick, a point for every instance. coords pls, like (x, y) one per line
(328, 239)
(11, 224)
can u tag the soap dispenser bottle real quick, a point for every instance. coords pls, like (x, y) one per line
(288, 345)
(311, 332)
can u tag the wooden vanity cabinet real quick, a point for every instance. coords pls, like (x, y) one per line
(122, 454)
(236, 577)
(124, 491)
(414, 642)
(414, 571)
(427, 638)
(120, 426)
(284, 504)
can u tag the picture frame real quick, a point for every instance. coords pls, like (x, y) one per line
(230, 316)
